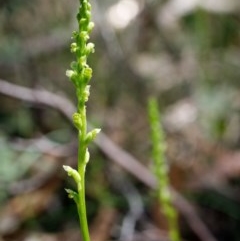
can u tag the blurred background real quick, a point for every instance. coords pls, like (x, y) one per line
(184, 52)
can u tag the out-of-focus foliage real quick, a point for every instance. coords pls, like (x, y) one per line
(185, 52)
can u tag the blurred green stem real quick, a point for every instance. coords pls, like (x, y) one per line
(161, 169)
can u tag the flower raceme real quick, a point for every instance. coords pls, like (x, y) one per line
(80, 74)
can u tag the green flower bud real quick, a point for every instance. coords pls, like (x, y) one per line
(72, 173)
(82, 61)
(86, 74)
(73, 47)
(84, 35)
(69, 73)
(72, 194)
(90, 27)
(87, 156)
(92, 135)
(86, 93)
(89, 48)
(72, 75)
(88, 14)
(77, 120)
(89, 7)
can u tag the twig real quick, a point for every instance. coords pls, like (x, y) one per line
(42, 97)
(45, 146)
(115, 153)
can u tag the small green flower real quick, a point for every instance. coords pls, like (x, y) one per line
(70, 74)
(86, 75)
(89, 48)
(90, 27)
(74, 47)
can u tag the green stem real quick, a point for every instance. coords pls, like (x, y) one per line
(82, 206)
(82, 149)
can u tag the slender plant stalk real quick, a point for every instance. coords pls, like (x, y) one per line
(80, 75)
(161, 169)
